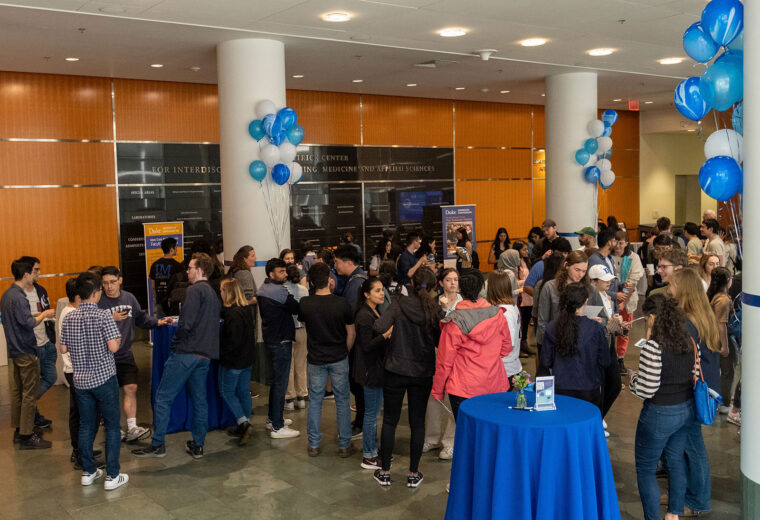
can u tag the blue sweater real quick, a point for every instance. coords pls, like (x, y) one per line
(198, 328)
(18, 323)
(583, 370)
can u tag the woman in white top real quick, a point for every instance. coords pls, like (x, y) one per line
(500, 294)
(298, 389)
(629, 272)
(384, 251)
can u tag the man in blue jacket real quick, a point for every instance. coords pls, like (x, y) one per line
(277, 308)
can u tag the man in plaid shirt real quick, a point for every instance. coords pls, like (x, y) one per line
(90, 336)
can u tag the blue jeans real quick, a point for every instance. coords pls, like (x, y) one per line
(48, 373)
(180, 371)
(280, 355)
(373, 400)
(663, 429)
(338, 374)
(105, 399)
(235, 387)
(699, 486)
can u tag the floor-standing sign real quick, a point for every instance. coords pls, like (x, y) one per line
(154, 233)
(455, 217)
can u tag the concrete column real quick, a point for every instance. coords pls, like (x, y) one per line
(750, 454)
(570, 105)
(248, 71)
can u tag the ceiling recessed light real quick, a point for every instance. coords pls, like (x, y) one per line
(670, 61)
(337, 16)
(458, 88)
(532, 42)
(452, 32)
(357, 80)
(297, 76)
(600, 52)
(156, 65)
(504, 91)
(411, 84)
(617, 100)
(72, 59)
(195, 68)
(691, 130)
(648, 102)
(543, 94)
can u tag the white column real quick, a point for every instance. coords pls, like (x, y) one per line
(750, 454)
(248, 71)
(570, 105)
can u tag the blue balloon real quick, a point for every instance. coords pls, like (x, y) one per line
(278, 139)
(591, 174)
(296, 134)
(720, 177)
(272, 125)
(689, 101)
(607, 154)
(738, 43)
(582, 157)
(722, 84)
(280, 173)
(258, 170)
(288, 117)
(698, 44)
(256, 129)
(609, 117)
(723, 20)
(737, 118)
(590, 145)
(607, 131)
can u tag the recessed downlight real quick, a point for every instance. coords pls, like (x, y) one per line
(602, 51)
(156, 65)
(72, 59)
(532, 42)
(452, 32)
(504, 92)
(670, 61)
(459, 88)
(357, 81)
(648, 102)
(617, 100)
(411, 84)
(337, 16)
(297, 76)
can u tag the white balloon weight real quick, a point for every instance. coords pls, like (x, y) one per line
(725, 142)
(287, 152)
(270, 154)
(296, 173)
(605, 144)
(265, 107)
(595, 128)
(603, 165)
(606, 179)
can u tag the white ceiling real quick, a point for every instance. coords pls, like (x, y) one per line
(380, 44)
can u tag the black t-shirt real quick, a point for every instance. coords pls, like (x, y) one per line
(325, 317)
(161, 272)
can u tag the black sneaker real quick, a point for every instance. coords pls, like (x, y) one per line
(356, 432)
(34, 442)
(150, 452)
(329, 395)
(40, 421)
(621, 367)
(413, 481)
(194, 450)
(384, 479)
(236, 431)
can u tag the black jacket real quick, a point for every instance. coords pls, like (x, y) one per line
(370, 348)
(411, 349)
(277, 308)
(238, 338)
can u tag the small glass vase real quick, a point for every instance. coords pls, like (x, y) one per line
(521, 402)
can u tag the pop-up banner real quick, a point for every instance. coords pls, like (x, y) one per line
(155, 233)
(453, 218)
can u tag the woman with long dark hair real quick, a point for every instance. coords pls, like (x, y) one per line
(524, 300)
(409, 367)
(551, 266)
(500, 244)
(383, 251)
(575, 348)
(463, 250)
(535, 235)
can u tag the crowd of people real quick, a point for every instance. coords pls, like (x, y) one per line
(407, 329)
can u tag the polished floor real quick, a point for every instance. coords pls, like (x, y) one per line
(275, 479)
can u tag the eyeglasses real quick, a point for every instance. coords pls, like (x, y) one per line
(664, 266)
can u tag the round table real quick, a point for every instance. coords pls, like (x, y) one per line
(530, 465)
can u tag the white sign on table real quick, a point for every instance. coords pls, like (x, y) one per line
(544, 394)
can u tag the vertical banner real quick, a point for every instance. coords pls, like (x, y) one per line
(154, 234)
(455, 217)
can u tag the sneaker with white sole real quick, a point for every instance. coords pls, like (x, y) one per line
(371, 463)
(430, 446)
(723, 409)
(412, 481)
(446, 453)
(284, 433)
(604, 424)
(384, 479)
(112, 483)
(734, 418)
(137, 433)
(606, 434)
(287, 422)
(301, 403)
(89, 478)
(290, 405)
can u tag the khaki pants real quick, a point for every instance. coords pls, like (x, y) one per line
(297, 384)
(24, 380)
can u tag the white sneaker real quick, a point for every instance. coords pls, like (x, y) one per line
(89, 478)
(430, 446)
(290, 406)
(115, 482)
(723, 409)
(284, 433)
(446, 453)
(604, 424)
(137, 433)
(606, 434)
(287, 422)
(447, 486)
(301, 404)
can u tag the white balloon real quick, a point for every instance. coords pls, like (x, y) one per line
(265, 107)
(603, 164)
(725, 142)
(270, 154)
(287, 152)
(595, 128)
(296, 173)
(605, 143)
(607, 178)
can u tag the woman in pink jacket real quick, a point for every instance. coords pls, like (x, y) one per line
(474, 338)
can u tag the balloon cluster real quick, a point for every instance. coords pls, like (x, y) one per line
(597, 150)
(720, 87)
(278, 135)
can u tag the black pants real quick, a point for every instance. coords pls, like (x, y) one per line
(525, 313)
(358, 391)
(592, 396)
(541, 370)
(727, 374)
(74, 414)
(611, 382)
(455, 401)
(418, 390)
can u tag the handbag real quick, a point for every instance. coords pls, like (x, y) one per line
(706, 400)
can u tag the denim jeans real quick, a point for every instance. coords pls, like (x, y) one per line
(280, 355)
(663, 429)
(182, 371)
(103, 398)
(48, 373)
(235, 387)
(373, 400)
(698, 483)
(338, 374)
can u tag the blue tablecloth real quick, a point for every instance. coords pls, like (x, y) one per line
(181, 418)
(530, 465)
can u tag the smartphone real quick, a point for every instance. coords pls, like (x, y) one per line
(650, 268)
(640, 343)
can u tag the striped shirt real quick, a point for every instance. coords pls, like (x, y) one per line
(665, 387)
(85, 333)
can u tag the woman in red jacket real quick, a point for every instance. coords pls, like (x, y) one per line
(474, 338)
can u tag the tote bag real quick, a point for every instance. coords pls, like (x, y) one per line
(706, 400)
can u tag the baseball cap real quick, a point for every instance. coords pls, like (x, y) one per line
(548, 223)
(600, 272)
(587, 231)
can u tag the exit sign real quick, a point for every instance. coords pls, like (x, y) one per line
(633, 105)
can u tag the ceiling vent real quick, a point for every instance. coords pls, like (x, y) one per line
(435, 64)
